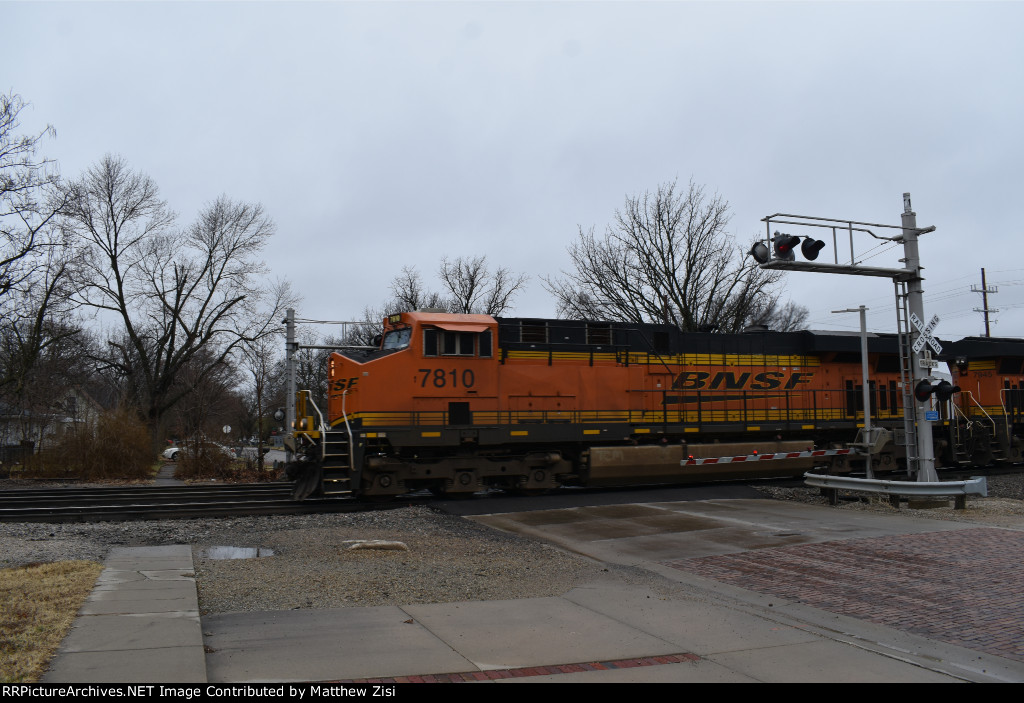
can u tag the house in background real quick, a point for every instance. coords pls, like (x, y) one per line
(30, 429)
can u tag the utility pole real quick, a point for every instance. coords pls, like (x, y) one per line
(865, 383)
(985, 290)
(290, 347)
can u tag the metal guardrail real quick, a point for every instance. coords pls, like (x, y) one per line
(894, 489)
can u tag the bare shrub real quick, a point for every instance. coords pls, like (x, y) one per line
(115, 446)
(201, 460)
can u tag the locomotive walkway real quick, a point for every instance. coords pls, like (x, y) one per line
(722, 590)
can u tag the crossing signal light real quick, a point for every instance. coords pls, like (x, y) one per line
(923, 390)
(943, 390)
(784, 246)
(760, 252)
(811, 247)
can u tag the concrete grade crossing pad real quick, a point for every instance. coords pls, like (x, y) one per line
(652, 532)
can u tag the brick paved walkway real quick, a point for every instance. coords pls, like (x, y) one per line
(963, 587)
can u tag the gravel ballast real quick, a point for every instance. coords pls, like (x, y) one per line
(448, 559)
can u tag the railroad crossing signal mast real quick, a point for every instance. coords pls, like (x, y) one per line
(289, 413)
(777, 251)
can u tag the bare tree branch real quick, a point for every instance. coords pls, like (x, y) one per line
(667, 258)
(474, 289)
(30, 201)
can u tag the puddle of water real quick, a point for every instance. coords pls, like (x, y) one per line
(236, 552)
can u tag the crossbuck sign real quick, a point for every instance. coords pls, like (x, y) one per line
(925, 336)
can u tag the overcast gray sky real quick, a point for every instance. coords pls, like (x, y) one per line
(385, 134)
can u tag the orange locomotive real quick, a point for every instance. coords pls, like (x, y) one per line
(986, 422)
(456, 403)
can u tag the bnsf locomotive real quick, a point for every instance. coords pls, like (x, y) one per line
(457, 403)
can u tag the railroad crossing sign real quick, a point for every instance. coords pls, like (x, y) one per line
(925, 336)
(927, 362)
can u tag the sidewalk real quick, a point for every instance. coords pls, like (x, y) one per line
(141, 625)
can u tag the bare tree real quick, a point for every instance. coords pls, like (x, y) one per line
(781, 318)
(43, 363)
(409, 293)
(40, 318)
(29, 200)
(473, 288)
(259, 361)
(366, 333)
(207, 397)
(175, 293)
(34, 259)
(40, 345)
(666, 258)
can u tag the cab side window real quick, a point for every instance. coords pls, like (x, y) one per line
(457, 343)
(437, 342)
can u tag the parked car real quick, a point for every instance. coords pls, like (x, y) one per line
(172, 453)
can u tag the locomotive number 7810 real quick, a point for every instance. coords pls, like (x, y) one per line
(441, 378)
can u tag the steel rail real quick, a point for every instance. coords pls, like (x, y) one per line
(160, 502)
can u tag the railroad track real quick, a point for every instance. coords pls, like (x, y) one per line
(226, 500)
(160, 502)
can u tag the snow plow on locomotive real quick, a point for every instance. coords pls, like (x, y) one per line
(458, 403)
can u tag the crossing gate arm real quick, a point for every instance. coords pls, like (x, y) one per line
(692, 461)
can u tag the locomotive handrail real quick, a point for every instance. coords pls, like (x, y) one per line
(961, 413)
(320, 425)
(348, 431)
(983, 412)
(1006, 415)
(956, 425)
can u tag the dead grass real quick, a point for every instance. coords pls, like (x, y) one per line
(38, 604)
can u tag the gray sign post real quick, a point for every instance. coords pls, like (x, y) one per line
(915, 303)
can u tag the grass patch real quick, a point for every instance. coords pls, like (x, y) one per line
(38, 604)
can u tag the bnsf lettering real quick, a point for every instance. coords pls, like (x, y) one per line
(343, 384)
(690, 380)
(767, 380)
(798, 378)
(728, 378)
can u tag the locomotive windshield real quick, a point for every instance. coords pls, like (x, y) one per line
(397, 339)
